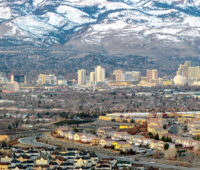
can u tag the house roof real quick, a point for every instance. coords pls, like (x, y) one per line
(122, 142)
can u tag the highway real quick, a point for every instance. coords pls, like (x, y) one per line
(150, 164)
(32, 141)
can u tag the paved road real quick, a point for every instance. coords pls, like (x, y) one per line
(153, 164)
(32, 141)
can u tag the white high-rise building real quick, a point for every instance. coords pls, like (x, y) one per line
(99, 74)
(152, 75)
(132, 76)
(92, 77)
(82, 77)
(47, 79)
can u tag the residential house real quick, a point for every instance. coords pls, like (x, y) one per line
(42, 161)
(15, 162)
(184, 120)
(67, 165)
(19, 153)
(87, 138)
(6, 159)
(55, 154)
(70, 155)
(136, 140)
(106, 142)
(95, 141)
(103, 165)
(123, 164)
(105, 118)
(186, 142)
(65, 133)
(83, 154)
(194, 127)
(108, 133)
(59, 160)
(40, 167)
(70, 135)
(105, 132)
(122, 135)
(155, 130)
(121, 145)
(94, 158)
(157, 145)
(82, 162)
(140, 121)
(155, 124)
(53, 165)
(23, 158)
(78, 136)
(61, 130)
(4, 138)
(4, 166)
(32, 153)
(146, 141)
(126, 126)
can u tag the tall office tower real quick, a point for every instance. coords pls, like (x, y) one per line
(136, 75)
(183, 69)
(99, 74)
(3, 78)
(19, 78)
(194, 72)
(128, 76)
(189, 72)
(12, 78)
(82, 77)
(41, 79)
(92, 77)
(118, 75)
(131, 76)
(47, 79)
(152, 75)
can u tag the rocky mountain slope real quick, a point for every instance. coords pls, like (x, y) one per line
(145, 27)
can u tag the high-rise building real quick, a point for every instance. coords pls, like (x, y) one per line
(152, 75)
(188, 72)
(92, 77)
(118, 75)
(99, 74)
(18, 78)
(61, 80)
(41, 79)
(194, 72)
(132, 76)
(3, 78)
(12, 78)
(47, 79)
(128, 76)
(136, 75)
(183, 69)
(82, 77)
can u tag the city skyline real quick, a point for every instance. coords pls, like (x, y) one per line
(99, 85)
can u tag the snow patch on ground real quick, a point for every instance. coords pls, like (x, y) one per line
(5, 13)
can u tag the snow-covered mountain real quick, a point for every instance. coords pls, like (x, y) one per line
(115, 26)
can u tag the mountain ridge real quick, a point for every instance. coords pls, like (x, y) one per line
(109, 26)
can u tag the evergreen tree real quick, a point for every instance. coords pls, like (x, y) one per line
(156, 137)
